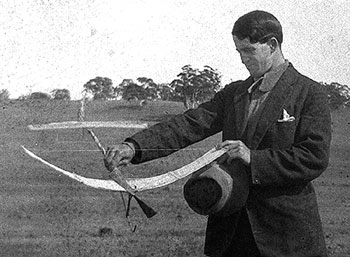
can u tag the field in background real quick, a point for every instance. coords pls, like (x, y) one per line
(46, 214)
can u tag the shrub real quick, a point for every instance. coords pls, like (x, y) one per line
(101, 88)
(61, 94)
(196, 86)
(338, 95)
(39, 95)
(4, 95)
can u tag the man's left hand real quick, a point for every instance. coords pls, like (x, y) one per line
(236, 149)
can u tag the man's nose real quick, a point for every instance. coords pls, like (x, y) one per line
(245, 59)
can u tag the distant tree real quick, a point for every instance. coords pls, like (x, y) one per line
(23, 97)
(119, 89)
(39, 95)
(150, 87)
(134, 91)
(101, 88)
(195, 86)
(167, 93)
(338, 95)
(143, 89)
(4, 95)
(61, 94)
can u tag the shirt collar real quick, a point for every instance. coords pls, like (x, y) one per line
(270, 78)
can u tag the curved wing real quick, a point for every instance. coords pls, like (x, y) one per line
(139, 184)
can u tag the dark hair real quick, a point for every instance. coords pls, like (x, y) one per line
(258, 26)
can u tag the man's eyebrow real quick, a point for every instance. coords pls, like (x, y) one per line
(246, 48)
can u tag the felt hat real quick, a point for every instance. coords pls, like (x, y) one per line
(217, 189)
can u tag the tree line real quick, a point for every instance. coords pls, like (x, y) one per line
(191, 86)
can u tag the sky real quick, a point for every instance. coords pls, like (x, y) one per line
(52, 44)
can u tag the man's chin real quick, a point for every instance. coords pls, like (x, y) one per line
(256, 75)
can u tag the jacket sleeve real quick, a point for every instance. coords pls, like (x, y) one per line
(308, 155)
(180, 131)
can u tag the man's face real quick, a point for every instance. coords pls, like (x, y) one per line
(256, 57)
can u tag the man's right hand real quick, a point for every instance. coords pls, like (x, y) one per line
(119, 155)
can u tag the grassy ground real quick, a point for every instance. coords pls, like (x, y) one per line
(45, 214)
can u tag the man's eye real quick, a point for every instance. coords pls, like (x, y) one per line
(246, 51)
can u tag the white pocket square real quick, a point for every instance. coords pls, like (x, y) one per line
(286, 117)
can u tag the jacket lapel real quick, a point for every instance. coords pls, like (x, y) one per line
(240, 105)
(271, 109)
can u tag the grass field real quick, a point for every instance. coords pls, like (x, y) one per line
(44, 213)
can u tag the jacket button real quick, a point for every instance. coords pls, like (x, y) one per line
(256, 181)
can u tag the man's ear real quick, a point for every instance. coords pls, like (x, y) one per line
(273, 44)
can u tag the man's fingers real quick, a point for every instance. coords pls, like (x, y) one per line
(222, 159)
(228, 157)
(236, 149)
(229, 144)
(116, 156)
(109, 160)
(109, 154)
(123, 162)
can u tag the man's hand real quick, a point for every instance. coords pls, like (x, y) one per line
(236, 150)
(119, 155)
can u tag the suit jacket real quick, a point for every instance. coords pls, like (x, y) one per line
(285, 158)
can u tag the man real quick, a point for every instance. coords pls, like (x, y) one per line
(276, 124)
